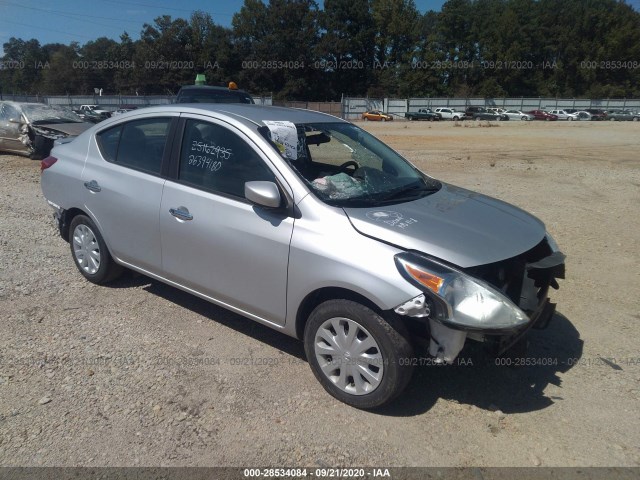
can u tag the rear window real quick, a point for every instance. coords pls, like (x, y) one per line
(138, 144)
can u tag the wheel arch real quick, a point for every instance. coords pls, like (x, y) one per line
(315, 298)
(66, 218)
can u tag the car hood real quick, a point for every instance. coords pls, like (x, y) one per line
(72, 129)
(456, 225)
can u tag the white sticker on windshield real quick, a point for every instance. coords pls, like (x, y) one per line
(285, 136)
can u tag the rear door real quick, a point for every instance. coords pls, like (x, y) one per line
(214, 241)
(122, 183)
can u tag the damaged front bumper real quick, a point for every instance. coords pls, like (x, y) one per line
(514, 291)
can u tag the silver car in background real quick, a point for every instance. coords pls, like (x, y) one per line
(32, 128)
(518, 115)
(310, 225)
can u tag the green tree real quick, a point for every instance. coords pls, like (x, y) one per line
(346, 49)
(397, 25)
(276, 45)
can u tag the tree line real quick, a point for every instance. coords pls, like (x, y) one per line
(296, 50)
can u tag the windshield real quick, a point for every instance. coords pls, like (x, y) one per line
(36, 113)
(345, 165)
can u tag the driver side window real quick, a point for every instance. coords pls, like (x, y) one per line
(216, 159)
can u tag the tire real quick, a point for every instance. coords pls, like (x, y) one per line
(570, 119)
(613, 119)
(366, 119)
(371, 378)
(635, 119)
(455, 119)
(90, 253)
(384, 119)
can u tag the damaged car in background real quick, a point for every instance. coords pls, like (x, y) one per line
(310, 225)
(31, 128)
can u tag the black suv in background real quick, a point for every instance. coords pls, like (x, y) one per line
(481, 113)
(209, 94)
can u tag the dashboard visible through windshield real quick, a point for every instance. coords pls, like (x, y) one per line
(345, 165)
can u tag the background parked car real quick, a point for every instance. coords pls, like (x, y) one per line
(481, 113)
(212, 94)
(564, 115)
(597, 114)
(96, 110)
(31, 128)
(623, 116)
(449, 113)
(518, 115)
(542, 115)
(376, 116)
(423, 114)
(583, 116)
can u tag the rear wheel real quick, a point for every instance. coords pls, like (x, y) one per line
(90, 252)
(359, 358)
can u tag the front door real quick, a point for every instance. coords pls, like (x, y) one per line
(213, 240)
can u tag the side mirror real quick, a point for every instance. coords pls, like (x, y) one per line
(265, 194)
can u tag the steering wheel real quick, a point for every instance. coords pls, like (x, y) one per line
(350, 163)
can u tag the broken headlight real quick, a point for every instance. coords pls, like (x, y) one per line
(459, 300)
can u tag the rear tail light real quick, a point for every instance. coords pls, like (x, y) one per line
(47, 162)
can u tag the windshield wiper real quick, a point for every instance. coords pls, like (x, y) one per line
(408, 191)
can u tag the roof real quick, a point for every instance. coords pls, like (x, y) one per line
(247, 113)
(208, 87)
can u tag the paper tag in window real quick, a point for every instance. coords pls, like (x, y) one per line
(285, 136)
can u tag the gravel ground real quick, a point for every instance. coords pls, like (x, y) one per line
(138, 373)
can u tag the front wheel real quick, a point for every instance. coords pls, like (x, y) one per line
(359, 358)
(90, 252)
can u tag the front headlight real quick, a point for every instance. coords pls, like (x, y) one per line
(459, 299)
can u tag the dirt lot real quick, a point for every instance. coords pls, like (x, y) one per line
(143, 374)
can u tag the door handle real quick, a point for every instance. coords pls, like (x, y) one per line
(92, 186)
(181, 213)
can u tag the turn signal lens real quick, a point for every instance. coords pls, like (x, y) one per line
(432, 282)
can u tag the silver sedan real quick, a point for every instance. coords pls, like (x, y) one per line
(518, 115)
(307, 224)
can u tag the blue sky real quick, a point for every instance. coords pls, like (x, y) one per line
(64, 21)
